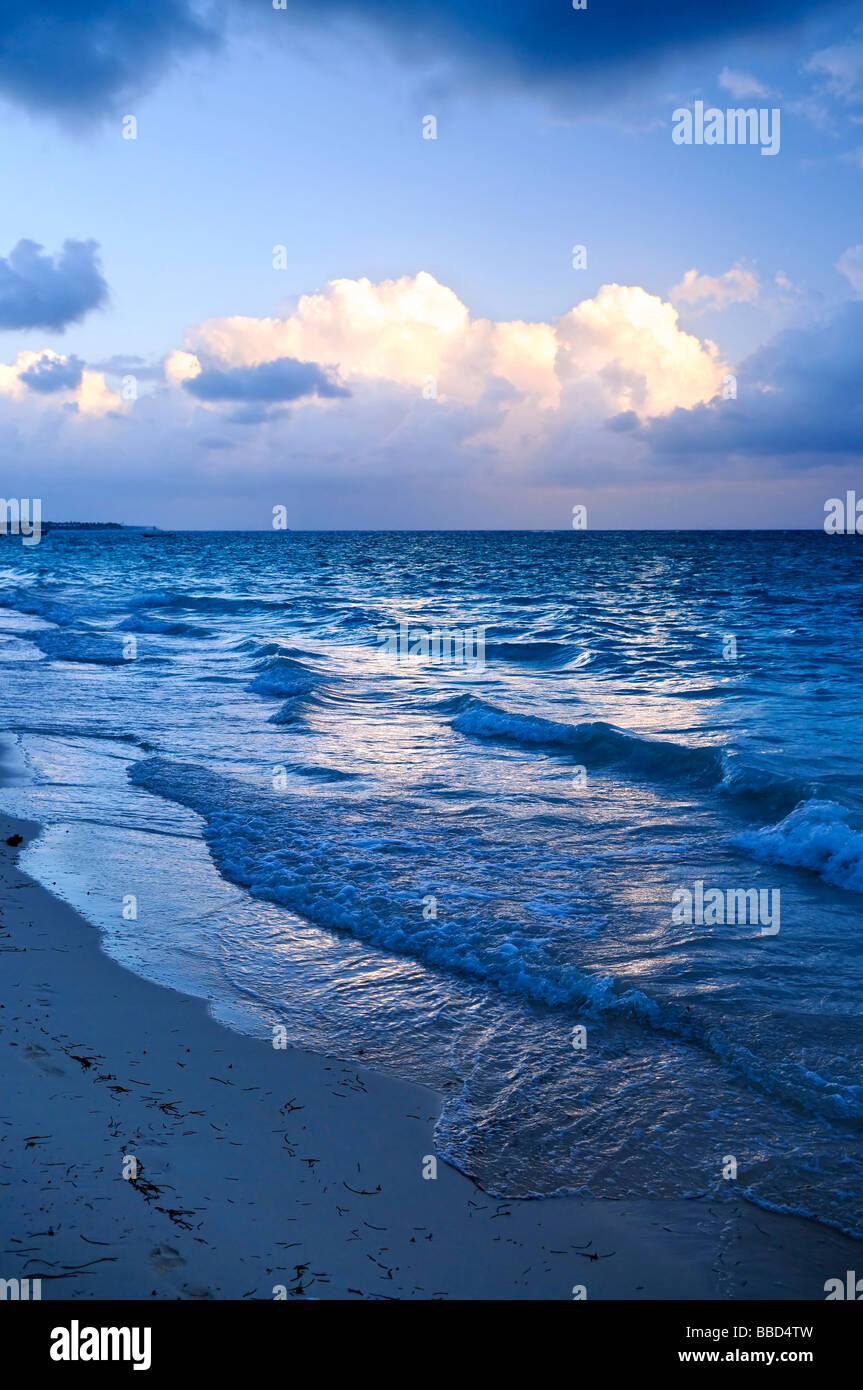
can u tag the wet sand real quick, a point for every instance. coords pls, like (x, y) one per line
(146, 1151)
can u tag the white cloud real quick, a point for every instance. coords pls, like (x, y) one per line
(180, 366)
(518, 409)
(739, 285)
(850, 264)
(786, 286)
(621, 350)
(741, 84)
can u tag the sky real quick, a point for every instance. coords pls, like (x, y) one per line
(390, 265)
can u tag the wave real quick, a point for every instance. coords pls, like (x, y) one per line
(92, 648)
(605, 745)
(772, 793)
(41, 605)
(283, 677)
(362, 879)
(258, 649)
(815, 836)
(530, 653)
(287, 713)
(322, 774)
(84, 731)
(202, 603)
(161, 627)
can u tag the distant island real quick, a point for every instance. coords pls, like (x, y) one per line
(93, 526)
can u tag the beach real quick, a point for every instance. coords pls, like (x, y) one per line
(266, 1173)
(431, 758)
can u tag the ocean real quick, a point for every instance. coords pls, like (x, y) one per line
(566, 825)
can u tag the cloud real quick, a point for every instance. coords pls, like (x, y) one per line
(841, 69)
(49, 374)
(43, 378)
(741, 84)
(850, 264)
(456, 420)
(798, 400)
(39, 291)
(738, 285)
(621, 350)
(626, 420)
(547, 42)
(284, 379)
(424, 391)
(79, 60)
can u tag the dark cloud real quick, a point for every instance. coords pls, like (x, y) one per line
(284, 379)
(546, 42)
(798, 395)
(80, 58)
(620, 424)
(47, 375)
(39, 291)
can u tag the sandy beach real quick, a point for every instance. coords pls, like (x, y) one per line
(266, 1173)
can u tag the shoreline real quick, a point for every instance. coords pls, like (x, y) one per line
(265, 1173)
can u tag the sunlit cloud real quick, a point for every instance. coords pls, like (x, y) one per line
(45, 380)
(739, 285)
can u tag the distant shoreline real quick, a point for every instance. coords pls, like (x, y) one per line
(133, 528)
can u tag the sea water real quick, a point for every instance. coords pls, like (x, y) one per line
(465, 871)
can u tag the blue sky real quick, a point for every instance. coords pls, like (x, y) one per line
(302, 128)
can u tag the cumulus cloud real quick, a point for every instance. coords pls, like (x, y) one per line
(386, 387)
(739, 285)
(42, 291)
(451, 419)
(621, 350)
(81, 59)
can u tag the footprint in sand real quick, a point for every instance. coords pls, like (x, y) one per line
(41, 1058)
(165, 1257)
